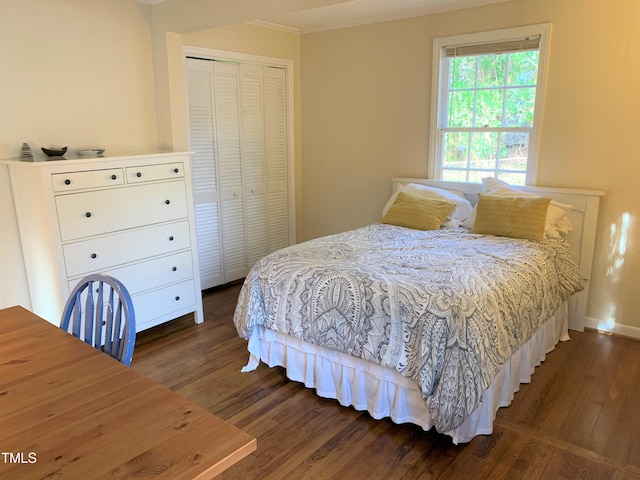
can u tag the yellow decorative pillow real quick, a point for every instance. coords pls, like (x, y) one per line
(517, 217)
(420, 213)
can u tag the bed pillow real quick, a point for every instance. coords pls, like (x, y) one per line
(462, 208)
(557, 222)
(418, 212)
(555, 215)
(517, 217)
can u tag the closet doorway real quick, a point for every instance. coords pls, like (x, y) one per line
(240, 128)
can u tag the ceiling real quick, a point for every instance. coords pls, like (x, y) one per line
(361, 12)
(307, 16)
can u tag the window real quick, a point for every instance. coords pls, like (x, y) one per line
(488, 89)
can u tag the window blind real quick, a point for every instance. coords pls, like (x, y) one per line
(518, 45)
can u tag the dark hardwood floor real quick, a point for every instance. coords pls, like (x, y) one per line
(578, 419)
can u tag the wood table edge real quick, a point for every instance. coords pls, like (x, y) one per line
(231, 459)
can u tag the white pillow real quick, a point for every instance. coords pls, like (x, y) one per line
(491, 184)
(461, 212)
(557, 221)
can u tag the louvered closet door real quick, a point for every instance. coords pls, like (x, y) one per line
(238, 122)
(226, 86)
(253, 161)
(205, 178)
(276, 152)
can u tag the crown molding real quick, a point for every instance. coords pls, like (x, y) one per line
(273, 26)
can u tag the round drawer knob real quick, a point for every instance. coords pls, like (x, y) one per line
(67, 182)
(177, 297)
(113, 177)
(88, 214)
(139, 174)
(175, 170)
(171, 238)
(174, 268)
(94, 255)
(167, 202)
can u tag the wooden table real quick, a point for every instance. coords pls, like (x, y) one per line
(69, 411)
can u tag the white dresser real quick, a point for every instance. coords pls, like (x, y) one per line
(129, 216)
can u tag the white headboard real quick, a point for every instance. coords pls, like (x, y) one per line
(584, 216)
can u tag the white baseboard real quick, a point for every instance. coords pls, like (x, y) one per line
(604, 327)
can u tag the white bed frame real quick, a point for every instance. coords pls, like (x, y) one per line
(583, 217)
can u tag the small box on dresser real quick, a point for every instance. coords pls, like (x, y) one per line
(129, 216)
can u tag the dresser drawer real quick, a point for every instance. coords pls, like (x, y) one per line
(99, 254)
(163, 301)
(149, 173)
(67, 182)
(93, 213)
(151, 274)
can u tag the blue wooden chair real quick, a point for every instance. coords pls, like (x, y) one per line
(100, 312)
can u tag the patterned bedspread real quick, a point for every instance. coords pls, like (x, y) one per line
(445, 308)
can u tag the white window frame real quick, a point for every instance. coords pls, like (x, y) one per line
(440, 82)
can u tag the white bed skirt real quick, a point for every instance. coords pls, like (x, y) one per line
(383, 392)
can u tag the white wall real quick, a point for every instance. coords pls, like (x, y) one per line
(76, 73)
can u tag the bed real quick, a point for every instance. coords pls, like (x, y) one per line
(431, 326)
